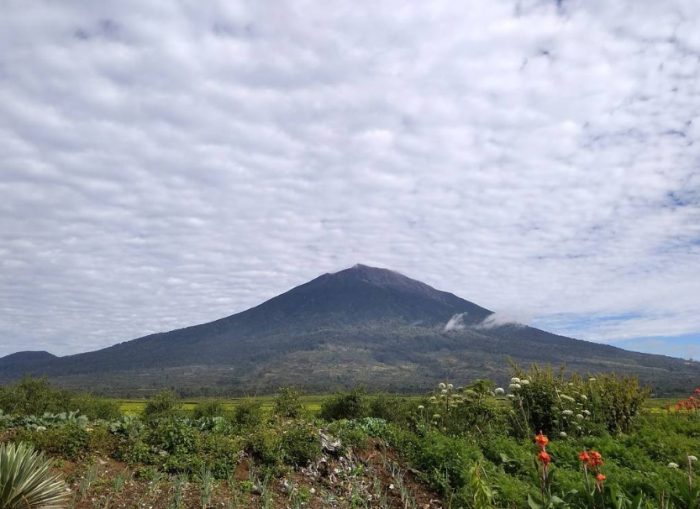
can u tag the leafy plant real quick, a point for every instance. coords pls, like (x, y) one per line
(26, 481)
(164, 404)
(248, 414)
(288, 403)
(347, 405)
(300, 445)
(209, 409)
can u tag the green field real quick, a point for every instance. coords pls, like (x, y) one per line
(312, 403)
(136, 406)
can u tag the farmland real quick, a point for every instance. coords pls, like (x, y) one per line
(545, 440)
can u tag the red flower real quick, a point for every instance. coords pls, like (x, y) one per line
(545, 458)
(600, 478)
(595, 459)
(541, 440)
(584, 457)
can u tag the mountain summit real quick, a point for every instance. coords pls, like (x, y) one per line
(361, 295)
(362, 325)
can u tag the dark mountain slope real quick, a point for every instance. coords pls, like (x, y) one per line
(360, 325)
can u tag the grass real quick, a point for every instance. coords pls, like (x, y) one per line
(311, 403)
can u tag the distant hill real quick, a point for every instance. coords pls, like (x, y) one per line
(362, 325)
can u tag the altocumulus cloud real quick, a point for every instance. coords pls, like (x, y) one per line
(168, 163)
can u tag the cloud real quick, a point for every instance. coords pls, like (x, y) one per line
(166, 163)
(455, 323)
(499, 319)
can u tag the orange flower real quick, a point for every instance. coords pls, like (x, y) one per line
(545, 458)
(595, 459)
(541, 440)
(600, 478)
(584, 457)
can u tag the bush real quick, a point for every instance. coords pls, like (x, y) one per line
(444, 461)
(265, 445)
(33, 396)
(348, 405)
(545, 401)
(211, 408)
(288, 403)
(26, 480)
(219, 453)
(94, 407)
(616, 400)
(162, 405)
(70, 440)
(300, 445)
(391, 408)
(247, 414)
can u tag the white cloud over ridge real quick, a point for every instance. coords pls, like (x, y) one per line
(169, 163)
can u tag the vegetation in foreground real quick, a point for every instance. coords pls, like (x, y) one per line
(546, 441)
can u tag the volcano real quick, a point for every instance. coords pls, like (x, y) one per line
(361, 326)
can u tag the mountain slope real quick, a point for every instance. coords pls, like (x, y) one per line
(360, 325)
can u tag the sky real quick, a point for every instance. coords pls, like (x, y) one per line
(166, 163)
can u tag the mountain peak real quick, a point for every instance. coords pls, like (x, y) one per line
(27, 357)
(376, 275)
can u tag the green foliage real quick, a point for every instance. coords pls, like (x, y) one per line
(288, 403)
(94, 407)
(33, 396)
(460, 441)
(547, 401)
(248, 414)
(481, 493)
(70, 440)
(208, 409)
(345, 405)
(617, 400)
(445, 461)
(26, 481)
(162, 405)
(300, 445)
(265, 446)
(391, 408)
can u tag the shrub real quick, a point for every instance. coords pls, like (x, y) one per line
(26, 481)
(33, 396)
(248, 414)
(616, 400)
(537, 403)
(94, 407)
(70, 440)
(348, 405)
(173, 436)
(265, 445)
(300, 445)
(391, 408)
(211, 408)
(445, 461)
(548, 402)
(164, 404)
(220, 453)
(288, 403)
